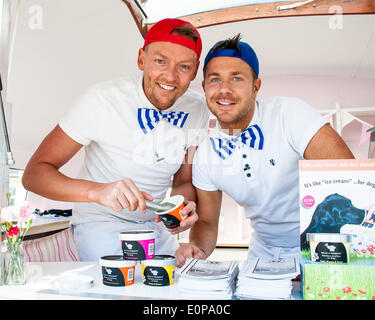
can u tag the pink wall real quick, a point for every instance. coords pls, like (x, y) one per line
(322, 92)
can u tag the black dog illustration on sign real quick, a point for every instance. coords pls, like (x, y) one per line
(330, 215)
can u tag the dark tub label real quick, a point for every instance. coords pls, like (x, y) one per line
(158, 276)
(331, 251)
(170, 221)
(118, 277)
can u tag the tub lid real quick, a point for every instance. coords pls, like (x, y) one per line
(160, 260)
(116, 261)
(137, 232)
(137, 235)
(164, 257)
(329, 237)
(176, 200)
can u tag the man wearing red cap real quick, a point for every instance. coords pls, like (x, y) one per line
(138, 133)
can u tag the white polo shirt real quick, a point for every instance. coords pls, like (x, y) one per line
(264, 182)
(105, 121)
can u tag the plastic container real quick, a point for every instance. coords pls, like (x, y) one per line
(138, 245)
(173, 217)
(116, 271)
(329, 247)
(159, 271)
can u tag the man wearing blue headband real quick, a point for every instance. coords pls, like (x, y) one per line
(253, 155)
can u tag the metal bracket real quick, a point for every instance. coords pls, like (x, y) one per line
(294, 5)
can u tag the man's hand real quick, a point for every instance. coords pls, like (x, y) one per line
(189, 210)
(119, 195)
(187, 250)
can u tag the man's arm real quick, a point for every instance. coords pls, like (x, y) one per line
(203, 235)
(182, 185)
(42, 176)
(182, 178)
(327, 144)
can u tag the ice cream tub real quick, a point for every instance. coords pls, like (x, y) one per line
(329, 247)
(116, 271)
(137, 245)
(159, 271)
(172, 217)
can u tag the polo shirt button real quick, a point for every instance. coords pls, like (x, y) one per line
(244, 156)
(248, 175)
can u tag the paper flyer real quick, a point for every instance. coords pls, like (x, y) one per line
(338, 196)
(337, 214)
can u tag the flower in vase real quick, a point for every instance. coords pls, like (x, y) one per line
(13, 231)
(15, 221)
(25, 216)
(25, 213)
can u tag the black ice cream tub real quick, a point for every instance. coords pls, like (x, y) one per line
(159, 271)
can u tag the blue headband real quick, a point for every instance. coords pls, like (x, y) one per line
(246, 54)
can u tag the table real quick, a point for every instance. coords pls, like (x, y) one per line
(44, 283)
(46, 225)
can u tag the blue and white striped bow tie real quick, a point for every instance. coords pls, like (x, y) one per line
(252, 137)
(149, 118)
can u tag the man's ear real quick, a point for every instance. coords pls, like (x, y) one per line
(196, 70)
(257, 85)
(141, 59)
(203, 85)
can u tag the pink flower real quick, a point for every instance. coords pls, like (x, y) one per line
(13, 231)
(25, 213)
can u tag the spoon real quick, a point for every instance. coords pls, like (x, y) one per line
(159, 206)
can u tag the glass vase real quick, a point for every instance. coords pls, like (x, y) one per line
(14, 264)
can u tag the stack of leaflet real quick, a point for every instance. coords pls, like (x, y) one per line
(266, 279)
(204, 279)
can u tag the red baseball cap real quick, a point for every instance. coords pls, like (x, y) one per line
(161, 31)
